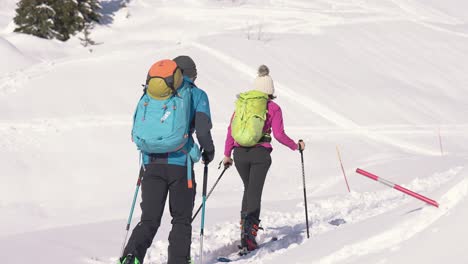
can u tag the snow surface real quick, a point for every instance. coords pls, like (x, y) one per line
(379, 79)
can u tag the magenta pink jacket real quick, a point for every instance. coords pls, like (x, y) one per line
(273, 122)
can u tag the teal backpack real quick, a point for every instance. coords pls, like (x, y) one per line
(161, 123)
(162, 126)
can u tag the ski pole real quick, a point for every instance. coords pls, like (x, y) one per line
(140, 177)
(303, 183)
(209, 193)
(205, 180)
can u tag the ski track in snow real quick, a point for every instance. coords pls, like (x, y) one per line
(86, 121)
(28, 132)
(222, 239)
(316, 107)
(14, 134)
(67, 123)
(419, 14)
(10, 82)
(416, 13)
(17, 134)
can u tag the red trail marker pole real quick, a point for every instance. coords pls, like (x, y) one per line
(397, 187)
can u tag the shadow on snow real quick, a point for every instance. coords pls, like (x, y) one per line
(109, 8)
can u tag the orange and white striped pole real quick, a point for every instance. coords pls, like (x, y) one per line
(440, 144)
(342, 168)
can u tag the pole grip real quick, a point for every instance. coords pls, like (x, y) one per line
(205, 179)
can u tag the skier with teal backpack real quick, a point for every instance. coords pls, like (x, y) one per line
(249, 136)
(168, 113)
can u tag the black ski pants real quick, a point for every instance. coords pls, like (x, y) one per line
(159, 180)
(252, 165)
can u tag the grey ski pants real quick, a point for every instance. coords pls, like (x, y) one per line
(253, 165)
(159, 180)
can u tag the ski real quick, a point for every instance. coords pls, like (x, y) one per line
(243, 252)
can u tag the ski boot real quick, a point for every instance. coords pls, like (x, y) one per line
(248, 235)
(129, 259)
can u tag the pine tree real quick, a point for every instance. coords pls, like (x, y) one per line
(36, 17)
(89, 9)
(86, 39)
(67, 20)
(56, 19)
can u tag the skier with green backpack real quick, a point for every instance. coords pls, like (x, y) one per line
(256, 116)
(167, 114)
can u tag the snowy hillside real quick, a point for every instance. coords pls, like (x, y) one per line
(379, 79)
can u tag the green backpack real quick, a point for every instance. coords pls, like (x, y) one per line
(249, 118)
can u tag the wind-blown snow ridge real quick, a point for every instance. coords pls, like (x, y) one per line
(290, 228)
(405, 230)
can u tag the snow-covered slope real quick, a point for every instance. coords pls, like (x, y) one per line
(13, 58)
(379, 79)
(7, 12)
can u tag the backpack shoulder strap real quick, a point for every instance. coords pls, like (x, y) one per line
(145, 89)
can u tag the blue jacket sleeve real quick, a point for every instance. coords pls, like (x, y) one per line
(202, 120)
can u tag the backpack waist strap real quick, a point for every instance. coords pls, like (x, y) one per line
(266, 138)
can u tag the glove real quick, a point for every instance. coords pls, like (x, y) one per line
(207, 156)
(227, 162)
(300, 145)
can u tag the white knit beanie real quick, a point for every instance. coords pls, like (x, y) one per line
(264, 83)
